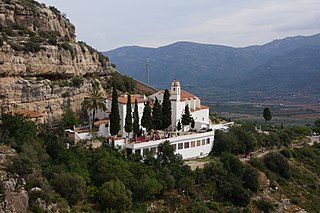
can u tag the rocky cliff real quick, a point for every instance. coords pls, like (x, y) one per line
(38, 51)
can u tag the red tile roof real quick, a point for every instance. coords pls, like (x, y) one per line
(185, 95)
(200, 108)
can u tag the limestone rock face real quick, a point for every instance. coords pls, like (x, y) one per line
(51, 61)
(36, 17)
(37, 48)
(42, 96)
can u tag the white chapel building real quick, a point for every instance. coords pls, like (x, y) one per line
(179, 99)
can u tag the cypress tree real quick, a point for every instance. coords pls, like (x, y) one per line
(136, 127)
(193, 124)
(179, 127)
(128, 123)
(267, 115)
(157, 115)
(146, 120)
(114, 115)
(166, 110)
(186, 116)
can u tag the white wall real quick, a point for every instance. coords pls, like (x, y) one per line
(201, 117)
(187, 153)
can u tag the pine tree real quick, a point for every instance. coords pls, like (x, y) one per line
(166, 110)
(186, 116)
(136, 127)
(146, 120)
(128, 121)
(114, 115)
(94, 101)
(157, 115)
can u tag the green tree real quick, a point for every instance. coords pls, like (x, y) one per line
(277, 163)
(250, 179)
(186, 118)
(128, 121)
(157, 115)
(193, 123)
(18, 130)
(113, 195)
(232, 164)
(166, 110)
(166, 153)
(267, 115)
(114, 114)
(136, 126)
(316, 126)
(146, 120)
(179, 126)
(71, 186)
(94, 101)
(70, 119)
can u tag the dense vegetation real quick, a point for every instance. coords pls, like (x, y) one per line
(105, 179)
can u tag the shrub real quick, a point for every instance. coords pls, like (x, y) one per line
(70, 186)
(67, 46)
(257, 163)
(250, 179)
(114, 195)
(77, 81)
(264, 205)
(32, 47)
(70, 119)
(278, 164)
(286, 153)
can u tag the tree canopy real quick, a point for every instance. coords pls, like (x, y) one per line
(114, 114)
(267, 114)
(186, 118)
(128, 121)
(94, 101)
(157, 116)
(136, 126)
(166, 110)
(146, 120)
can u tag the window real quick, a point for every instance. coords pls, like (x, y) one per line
(106, 125)
(174, 146)
(203, 142)
(174, 89)
(138, 151)
(186, 145)
(208, 140)
(180, 146)
(193, 143)
(198, 143)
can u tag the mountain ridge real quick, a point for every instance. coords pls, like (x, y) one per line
(207, 66)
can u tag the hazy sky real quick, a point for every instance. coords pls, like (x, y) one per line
(106, 24)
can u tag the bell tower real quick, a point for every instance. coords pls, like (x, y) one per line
(175, 90)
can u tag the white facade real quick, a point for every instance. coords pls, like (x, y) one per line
(179, 99)
(189, 146)
(122, 100)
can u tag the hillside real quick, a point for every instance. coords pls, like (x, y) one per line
(290, 65)
(43, 67)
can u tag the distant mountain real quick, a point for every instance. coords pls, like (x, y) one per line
(280, 67)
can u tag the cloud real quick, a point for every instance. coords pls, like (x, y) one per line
(110, 24)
